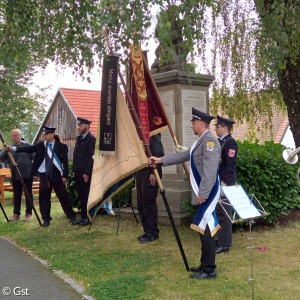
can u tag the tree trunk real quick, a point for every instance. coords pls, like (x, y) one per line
(289, 85)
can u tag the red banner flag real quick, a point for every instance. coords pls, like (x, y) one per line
(142, 86)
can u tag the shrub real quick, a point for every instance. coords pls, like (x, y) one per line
(71, 189)
(262, 171)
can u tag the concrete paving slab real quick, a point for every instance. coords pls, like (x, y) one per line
(23, 277)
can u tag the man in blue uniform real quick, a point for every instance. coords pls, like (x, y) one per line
(227, 172)
(51, 165)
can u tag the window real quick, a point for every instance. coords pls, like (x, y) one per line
(60, 114)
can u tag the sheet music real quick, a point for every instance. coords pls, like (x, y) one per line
(240, 202)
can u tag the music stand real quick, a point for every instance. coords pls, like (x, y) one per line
(244, 210)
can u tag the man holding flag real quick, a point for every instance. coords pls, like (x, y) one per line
(204, 156)
(51, 164)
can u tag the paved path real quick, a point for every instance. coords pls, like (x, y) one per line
(24, 277)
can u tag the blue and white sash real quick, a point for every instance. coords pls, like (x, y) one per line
(108, 207)
(206, 214)
(57, 163)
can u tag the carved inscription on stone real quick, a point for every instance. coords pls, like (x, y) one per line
(167, 98)
(191, 98)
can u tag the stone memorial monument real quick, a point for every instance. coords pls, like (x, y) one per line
(180, 89)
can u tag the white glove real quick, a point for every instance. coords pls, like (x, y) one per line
(180, 148)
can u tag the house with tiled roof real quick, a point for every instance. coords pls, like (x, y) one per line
(279, 132)
(68, 104)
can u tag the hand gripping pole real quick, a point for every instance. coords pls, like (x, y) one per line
(15, 167)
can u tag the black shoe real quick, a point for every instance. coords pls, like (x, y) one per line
(141, 236)
(46, 224)
(222, 249)
(73, 220)
(203, 275)
(85, 222)
(196, 269)
(148, 239)
(76, 222)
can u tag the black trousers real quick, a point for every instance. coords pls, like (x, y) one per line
(208, 255)
(18, 190)
(225, 232)
(83, 189)
(146, 201)
(45, 196)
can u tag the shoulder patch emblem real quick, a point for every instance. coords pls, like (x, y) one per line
(231, 152)
(210, 146)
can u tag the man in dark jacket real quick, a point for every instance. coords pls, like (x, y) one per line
(51, 165)
(83, 165)
(24, 162)
(227, 178)
(147, 190)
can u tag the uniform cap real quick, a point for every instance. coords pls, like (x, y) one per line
(46, 130)
(224, 121)
(200, 116)
(83, 121)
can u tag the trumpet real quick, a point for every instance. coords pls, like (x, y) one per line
(290, 156)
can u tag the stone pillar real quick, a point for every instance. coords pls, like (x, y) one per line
(179, 92)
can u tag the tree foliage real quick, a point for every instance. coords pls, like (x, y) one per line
(251, 46)
(18, 108)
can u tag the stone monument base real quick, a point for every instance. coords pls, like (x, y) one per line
(163, 218)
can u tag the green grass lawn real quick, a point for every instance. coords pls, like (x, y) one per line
(119, 267)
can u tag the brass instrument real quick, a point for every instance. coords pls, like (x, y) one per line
(290, 156)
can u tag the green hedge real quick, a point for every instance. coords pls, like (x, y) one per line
(71, 189)
(262, 171)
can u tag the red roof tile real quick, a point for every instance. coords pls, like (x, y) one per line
(85, 104)
(279, 124)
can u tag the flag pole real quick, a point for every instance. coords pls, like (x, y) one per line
(15, 167)
(5, 215)
(158, 180)
(138, 125)
(164, 112)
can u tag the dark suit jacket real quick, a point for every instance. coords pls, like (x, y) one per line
(23, 160)
(156, 149)
(228, 160)
(83, 154)
(60, 149)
